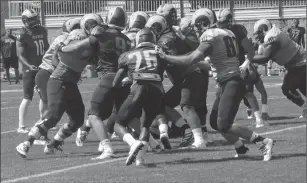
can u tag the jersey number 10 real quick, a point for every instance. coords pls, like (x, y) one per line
(40, 47)
(231, 46)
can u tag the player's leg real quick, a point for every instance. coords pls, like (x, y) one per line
(126, 113)
(289, 87)
(249, 109)
(74, 108)
(152, 104)
(230, 99)
(264, 99)
(56, 108)
(41, 80)
(7, 66)
(190, 96)
(14, 64)
(28, 89)
(100, 108)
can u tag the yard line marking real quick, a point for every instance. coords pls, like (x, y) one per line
(10, 91)
(10, 131)
(110, 161)
(61, 170)
(281, 130)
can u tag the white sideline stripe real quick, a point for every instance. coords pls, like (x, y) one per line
(110, 161)
(10, 91)
(61, 170)
(10, 131)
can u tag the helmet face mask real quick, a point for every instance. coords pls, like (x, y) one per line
(89, 21)
(201, 25)
(30, 18)
(169, 12)
(157, 24)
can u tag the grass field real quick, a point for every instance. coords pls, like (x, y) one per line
(214, 164)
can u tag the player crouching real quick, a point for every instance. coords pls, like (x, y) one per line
(63, 95)
(145, 69)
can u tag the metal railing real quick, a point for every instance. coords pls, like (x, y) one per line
(81, 7)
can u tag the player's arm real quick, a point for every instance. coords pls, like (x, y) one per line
(55, 58)
(249, 49)
(21, 53)
(203, 50)
(268, 53)
(87, 43)
(122, 71)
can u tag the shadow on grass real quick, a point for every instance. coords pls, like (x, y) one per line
(276, 118)
(287, 122)
(247, 158)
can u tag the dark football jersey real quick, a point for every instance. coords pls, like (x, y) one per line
(35, 43)
(8, 47)
(131, 34)
(112, 43)
(240, 32)
(143, 63)
(173, 45)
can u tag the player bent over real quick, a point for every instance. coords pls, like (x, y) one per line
(285, 52)
(63, 96)
(145, 69)
(220, 45)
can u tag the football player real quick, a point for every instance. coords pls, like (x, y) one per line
(46, 67)
(221, 47)
(136, 22)
(285, 52)
(145, 69)
(32, 43)
(225, 20)
(63, 94)
(112, 43)
(188, 82)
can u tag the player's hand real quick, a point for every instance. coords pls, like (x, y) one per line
(126, 81)
(243, 68)
(160, 52)
(178, 32)
(80, 81)
(36, 90)
(33, 68)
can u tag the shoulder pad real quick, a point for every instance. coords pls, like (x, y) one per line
(207, 36)
(272, 35)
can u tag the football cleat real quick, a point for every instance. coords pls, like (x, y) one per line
(22, 130)
(249, 114)
(187, 139)
(50, 149)
(206, 137)
(81, 137)
(165, 141)
(134, 150)
(23, 149)
(265, 116)
(259, 124)
(241, 151)
(266, 149)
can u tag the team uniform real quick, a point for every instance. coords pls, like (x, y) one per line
(112, 43)
(293, 57)
(35, 43)
(226, 67)
(131, 35)
(8, 51)
(46, 68)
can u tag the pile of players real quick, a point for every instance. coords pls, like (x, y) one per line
(130, 100)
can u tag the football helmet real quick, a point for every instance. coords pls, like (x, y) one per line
(145, 35)
(89, 21)
(117, 18)
(157, 24)
(30, 18)
(261, 27)
(225, 18)
(169, 12)
(202, 20)
(185, 25)
(71, 24)
(138, 20)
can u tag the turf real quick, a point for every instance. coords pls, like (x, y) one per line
(214, 164)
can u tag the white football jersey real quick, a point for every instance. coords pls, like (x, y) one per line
(47, 59)
(288, 48)
(223, 59)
